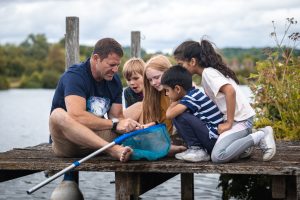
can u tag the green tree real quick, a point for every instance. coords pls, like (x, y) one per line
(11, 58)
(2, 62)
(56, 58)
(36, 46)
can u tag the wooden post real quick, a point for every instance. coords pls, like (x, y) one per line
(135, 44)
(278, 187)
(72, 41)
(127, 186)
(286, 187)
(187, 186)
(72, 53)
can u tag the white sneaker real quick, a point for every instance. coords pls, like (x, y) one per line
(247, 153)
(267, 144)
(196, 154)
(179, 156)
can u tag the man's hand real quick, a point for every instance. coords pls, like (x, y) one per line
(224, 127)
(127, 125)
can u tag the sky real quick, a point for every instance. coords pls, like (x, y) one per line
(163, 24)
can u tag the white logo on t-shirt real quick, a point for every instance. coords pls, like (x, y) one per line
(98, 105)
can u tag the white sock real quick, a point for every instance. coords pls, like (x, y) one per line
(257, 136)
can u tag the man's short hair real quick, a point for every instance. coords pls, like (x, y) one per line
(106, 46)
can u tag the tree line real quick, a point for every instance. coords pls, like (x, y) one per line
(36, 63)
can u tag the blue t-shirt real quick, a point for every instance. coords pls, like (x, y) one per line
(201, 106)
(99, 95)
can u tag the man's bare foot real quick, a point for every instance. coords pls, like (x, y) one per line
(120, 152)
(125, 155)
(176, 149)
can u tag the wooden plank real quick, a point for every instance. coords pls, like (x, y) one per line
(187, 186)
(166, 166)
(40, 158)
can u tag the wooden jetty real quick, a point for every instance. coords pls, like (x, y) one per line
(136, 177)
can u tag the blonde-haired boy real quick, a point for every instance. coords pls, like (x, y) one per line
(133, 72)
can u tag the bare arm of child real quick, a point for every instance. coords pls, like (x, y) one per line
(230, 97)
(175, 109)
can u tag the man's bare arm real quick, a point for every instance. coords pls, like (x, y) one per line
(76, 108)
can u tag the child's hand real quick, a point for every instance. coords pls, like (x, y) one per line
(148, 125)
(224, 127)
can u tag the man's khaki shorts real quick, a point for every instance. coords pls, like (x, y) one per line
(62, 147)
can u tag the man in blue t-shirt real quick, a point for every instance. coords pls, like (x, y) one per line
(84, 94)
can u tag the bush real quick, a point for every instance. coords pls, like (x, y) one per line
(49, 79)
(276, 88)
(33, 81)
(4, 84)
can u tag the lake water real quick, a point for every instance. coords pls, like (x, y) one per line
(24, 122)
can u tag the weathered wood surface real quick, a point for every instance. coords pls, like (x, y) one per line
(40, 158)
(135, 47)
(72, 41)
(131, 177)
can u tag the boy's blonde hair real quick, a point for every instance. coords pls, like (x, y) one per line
(133, 65)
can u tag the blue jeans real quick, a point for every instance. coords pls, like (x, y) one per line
(193, 131)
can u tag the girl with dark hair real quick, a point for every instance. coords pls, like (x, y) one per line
(221, 84)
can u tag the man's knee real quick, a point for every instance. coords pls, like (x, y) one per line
(58, 117)
(57, 121)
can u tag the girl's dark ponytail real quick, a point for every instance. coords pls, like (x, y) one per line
(205, 55)
(210, 58)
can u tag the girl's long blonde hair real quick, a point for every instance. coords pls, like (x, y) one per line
(152, 97)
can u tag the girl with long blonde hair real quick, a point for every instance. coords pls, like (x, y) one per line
(155, 101)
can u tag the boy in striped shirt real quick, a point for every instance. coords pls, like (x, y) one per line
(194, 114)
